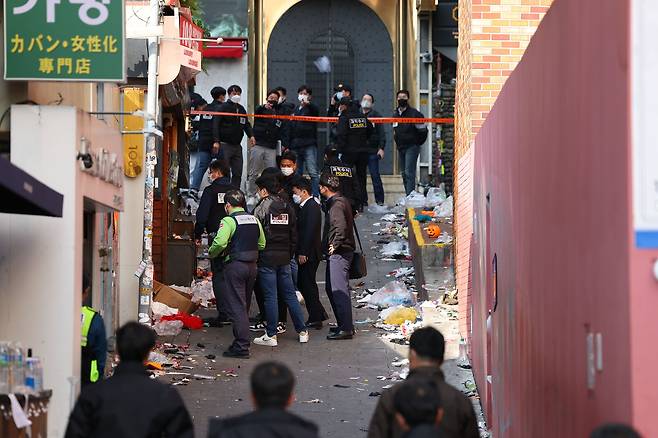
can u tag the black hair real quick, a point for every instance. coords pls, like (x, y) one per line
(272, 92)
(217, 91)
(331, 153)
(289, 155)
(428, 343)
(614, 430)
(134, 342)
(281, 90)
(269, 183)
(234, 88)
(347, 88)
(418, 401)
(235, 198)
(371, 96)
(403, 91)
(221, 166)
(330, 181)
(271, 385)
(303, 184)
(305, 88)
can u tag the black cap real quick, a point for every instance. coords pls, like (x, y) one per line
(345, 100)
(196, 99)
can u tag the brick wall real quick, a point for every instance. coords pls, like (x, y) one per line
(493, 35)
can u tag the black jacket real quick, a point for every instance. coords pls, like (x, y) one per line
(459, 419)
(353, 131)
(349, 185)
(286, 108)
(264, 423)
(424, 431)
(267, 131)
(280, 226)
(409, 134)
(338, 226)
(229, 129)
(309, 230)
(129, 404)
(205, 126)
(299, 134)
(377, 139)
(211, 207)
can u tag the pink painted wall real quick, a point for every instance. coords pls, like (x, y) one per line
(554, 158)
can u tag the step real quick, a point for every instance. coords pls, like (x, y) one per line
(393, 189)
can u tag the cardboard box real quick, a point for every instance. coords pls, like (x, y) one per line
(172, 298)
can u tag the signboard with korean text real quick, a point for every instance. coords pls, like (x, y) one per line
(65, 40)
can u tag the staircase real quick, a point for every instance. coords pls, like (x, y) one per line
(393, 189)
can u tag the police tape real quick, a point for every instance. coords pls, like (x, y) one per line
(377, 120)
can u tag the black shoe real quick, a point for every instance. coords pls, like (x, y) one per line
(236, 354)
(215, 322)
(315, 325)
(333, 330)
(341, 335)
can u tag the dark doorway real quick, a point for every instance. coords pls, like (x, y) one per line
(357, 44)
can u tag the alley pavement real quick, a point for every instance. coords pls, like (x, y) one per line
(337, 385)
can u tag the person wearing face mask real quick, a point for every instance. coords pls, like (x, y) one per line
(228, 133)
(409, 137)
(335, 109)
(209, 215)
(309, 251)
(338, 244)
(288, 167)
(206, 139)
(267, 133)
(302, 137)
(376, 145)
(353, 131)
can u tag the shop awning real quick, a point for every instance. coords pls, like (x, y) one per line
(23, 194)
(230, 48)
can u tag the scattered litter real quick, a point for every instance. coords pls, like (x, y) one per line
(202, 292)
(160, 309)
(338, 385)
(445, 209)
(396, 249)
(398, 315)
(387, 386)
(436, 195)
(402, 272)
(210, 356)
(189, 321)
(203, 377)
(399, 363)
(444, 238)
(378, 209)
(365, 321)
(313, 401)
(375, 394)
(168, 328)
(355, 378)
(392, 294)
(413, 200)
(200, 345)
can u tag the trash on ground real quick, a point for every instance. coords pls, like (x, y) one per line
(313, 401)
(396, 249)
(398, 315)
(189, 321)
(375, 394)
(168, 328)
(401, 362)
(436, 195)
(392, 294)
(160, 309)
(445, 209)
(202, 292)
(378, 209)
(338, 385)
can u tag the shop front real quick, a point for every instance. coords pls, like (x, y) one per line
(43, 259)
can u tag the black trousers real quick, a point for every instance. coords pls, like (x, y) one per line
(239, 278)
(308, 286)
(360, 162)
(219, 287)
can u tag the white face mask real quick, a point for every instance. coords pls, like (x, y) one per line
(302, 98)
(235, 98)
(287, 171)
(339, 95)
(281, 100)
(296, 198)
(366, 104)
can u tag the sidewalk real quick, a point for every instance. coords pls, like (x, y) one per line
(340, 411)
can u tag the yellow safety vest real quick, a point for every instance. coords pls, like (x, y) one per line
(87, 314)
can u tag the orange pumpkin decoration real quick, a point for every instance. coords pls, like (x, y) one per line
(433, 231)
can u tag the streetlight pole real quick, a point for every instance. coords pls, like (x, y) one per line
(146, 279)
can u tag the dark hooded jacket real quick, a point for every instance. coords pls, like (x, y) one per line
(263, 423)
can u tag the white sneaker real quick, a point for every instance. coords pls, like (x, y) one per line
(266, 341)
(303, 337)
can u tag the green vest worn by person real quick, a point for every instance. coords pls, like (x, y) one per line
(239, 238)
(89, 366)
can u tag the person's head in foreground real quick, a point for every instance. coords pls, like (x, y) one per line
(329, 185)
(134, 342)
(234, 199)
(426, 348)
(271, 386)
(614, 431)
(418, 403)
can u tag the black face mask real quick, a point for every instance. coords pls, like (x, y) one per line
(273, 102)
(402, 103)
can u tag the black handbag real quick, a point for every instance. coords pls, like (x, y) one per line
(359, 267)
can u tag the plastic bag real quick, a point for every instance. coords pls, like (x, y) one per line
(398, 248)
(436, 195)
(168, 328)
(393, 293)
(160, 309)
(398, 315)
(378, 209)
(445, 209)
(189, 321)
(202, 292)
(415, 200)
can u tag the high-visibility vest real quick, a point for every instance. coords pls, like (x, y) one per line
(87, 314)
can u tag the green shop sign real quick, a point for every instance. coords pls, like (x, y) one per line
(64, 40)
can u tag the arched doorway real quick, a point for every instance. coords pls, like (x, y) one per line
(354, 39)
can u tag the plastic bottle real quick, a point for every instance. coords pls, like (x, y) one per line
(4, 368)
(16, 367)
(33, 374)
